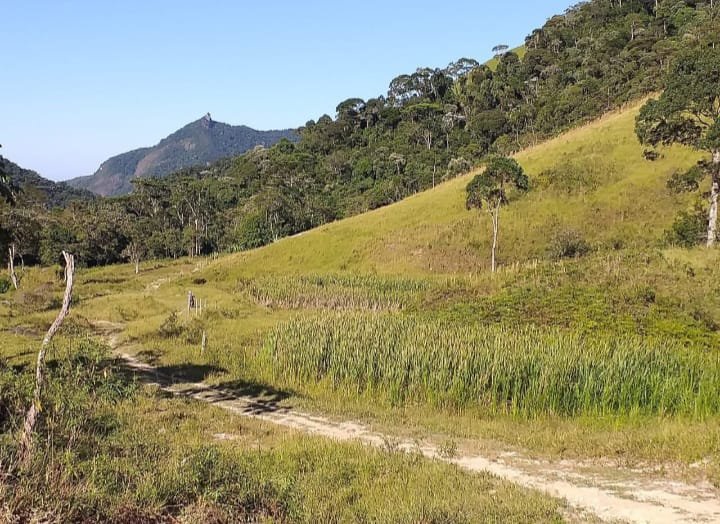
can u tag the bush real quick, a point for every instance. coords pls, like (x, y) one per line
(170, 327)
(4, 285)
(458, 166)
(689, 229)
(568, 243)
(684, 182)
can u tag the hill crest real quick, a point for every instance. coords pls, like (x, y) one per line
(200, 142)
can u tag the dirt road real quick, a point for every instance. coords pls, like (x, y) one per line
(609, 494)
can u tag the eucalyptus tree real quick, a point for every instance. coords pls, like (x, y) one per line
(489, 191)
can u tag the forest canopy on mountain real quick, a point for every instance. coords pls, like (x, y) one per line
(431, 125)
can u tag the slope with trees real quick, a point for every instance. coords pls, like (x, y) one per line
(197, 144)
(430, 126)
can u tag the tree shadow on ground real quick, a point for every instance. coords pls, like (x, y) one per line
(253, 398)
(151, 356)
(240, 396)
(188, 372)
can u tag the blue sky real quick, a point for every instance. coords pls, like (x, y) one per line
(82, 81)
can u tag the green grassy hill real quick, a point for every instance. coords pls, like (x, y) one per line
(592, 181)
(392, 318)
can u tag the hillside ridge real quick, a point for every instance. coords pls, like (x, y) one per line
(198, 143)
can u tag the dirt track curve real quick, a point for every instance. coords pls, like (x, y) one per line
(607, 493)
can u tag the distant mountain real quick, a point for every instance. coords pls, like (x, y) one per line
(197, 143)
(35, 188)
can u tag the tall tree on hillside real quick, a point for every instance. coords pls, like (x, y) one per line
(500, 49)
(688, 112)
(7, 192)
(489, 190)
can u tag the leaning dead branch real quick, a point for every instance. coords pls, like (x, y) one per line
(25, 449)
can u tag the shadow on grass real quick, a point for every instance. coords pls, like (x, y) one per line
(21, 355)
(188, 372)
(253, 398)
(240, 396)
(151, 356)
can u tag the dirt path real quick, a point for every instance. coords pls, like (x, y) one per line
(607, 493)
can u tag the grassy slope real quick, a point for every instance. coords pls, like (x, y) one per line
(621, 199)
(493, 62)
(617, 198)
(130, 454)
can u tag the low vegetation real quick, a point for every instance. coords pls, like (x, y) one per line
(525, 371)
(335, 292)
(112, 450)
(595, 337)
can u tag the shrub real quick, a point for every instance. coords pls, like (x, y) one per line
(568, 243)
(4, 285)
(689, 229)
(170, 327)
(687, 181)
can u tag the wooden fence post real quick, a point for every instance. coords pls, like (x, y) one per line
(190, 302)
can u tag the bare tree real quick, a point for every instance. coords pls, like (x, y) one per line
(25, 449)
(11, 266)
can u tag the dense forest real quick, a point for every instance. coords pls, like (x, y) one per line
(431, 125)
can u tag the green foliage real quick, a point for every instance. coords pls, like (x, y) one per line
(5, 285)
(340, 292)
(526, 371)
(7, 188)
(170, 328)
(33, 189)
(686, 111)
(490, 188)
(686, 181)
(197, 144)
(432, 123)
(568, 243)
(252, 232)
(689, 228)
(81, 385)
(114, 452)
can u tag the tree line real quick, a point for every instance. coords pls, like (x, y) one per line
(430, 125)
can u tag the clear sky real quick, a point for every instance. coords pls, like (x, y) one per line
(85, 80)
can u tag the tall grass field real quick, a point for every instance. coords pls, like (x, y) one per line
(526, 370)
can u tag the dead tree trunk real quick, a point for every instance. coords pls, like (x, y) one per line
(714, 192)
(11, 266)
(495, 225)
(25, 450)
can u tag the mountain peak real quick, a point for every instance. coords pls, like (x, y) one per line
(187, 147)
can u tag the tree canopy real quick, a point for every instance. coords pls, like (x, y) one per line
(431, 124)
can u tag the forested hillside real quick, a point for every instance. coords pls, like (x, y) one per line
(197, 144)
(40, 191)
(430, 126)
